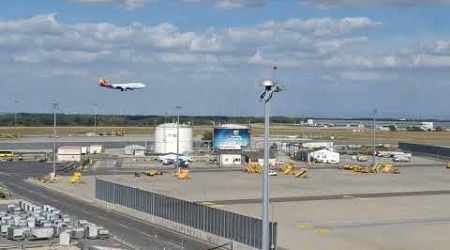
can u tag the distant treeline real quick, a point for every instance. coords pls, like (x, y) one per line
(37, 120)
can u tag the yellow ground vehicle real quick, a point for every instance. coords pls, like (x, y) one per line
(378, 168)
(253, 168)
(153, 172)
(6, 154)
(75, 178)
(182, 174)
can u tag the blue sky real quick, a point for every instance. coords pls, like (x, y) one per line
(336, 58)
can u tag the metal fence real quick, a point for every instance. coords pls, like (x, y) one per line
(236, 227)
(428, 150)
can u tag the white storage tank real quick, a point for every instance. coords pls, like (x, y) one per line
(166, 138)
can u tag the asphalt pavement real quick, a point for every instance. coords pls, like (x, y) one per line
(135, 233)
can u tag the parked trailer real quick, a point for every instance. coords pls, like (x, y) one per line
(92, 231)
(78, 233)
(41, 233)
(103, 234)
(4, 230)
(16, 234)
(402, 159)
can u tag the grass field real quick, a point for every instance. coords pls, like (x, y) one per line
(257, 130)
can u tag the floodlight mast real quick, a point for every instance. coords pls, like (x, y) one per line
(270, 87)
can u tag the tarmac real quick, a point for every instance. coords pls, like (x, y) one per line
(128, 232)
(331, 209)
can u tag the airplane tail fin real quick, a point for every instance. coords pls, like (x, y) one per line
(103, 82)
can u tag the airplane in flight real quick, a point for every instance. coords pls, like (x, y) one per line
(122, 86)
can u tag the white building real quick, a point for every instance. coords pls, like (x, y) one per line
(136, 150)
(95, 149)
(427, 126)
(69, 153)
(324, 156)
(230, 158)
(317, 144)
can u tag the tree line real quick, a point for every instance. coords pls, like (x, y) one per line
(41, 120)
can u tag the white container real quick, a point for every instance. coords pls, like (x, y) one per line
(15, 233)
(46, 224)
(84, 150)
(78, 232)
(50, 217)
(31, 223)
(23, 223)
(57, 221)
(92, 231)
(69, 153)
(11, 208)
(4, 229)
(81, 223)
(16, 220)
(103, 233)
(64, 239)
(22, 204)
(41, 233)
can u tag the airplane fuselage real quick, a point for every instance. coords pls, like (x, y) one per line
(122, 86)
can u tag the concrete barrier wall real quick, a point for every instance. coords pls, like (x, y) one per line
(196, 220)
(428, 150)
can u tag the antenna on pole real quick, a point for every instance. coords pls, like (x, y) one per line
(272, 72)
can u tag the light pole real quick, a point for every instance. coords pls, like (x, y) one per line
(178, 108)
(95, 118)
(15, 117)
(164, 132)
(55, 107)
(374, 112)
(270, 87)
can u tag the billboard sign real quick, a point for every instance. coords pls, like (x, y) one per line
(231, 139)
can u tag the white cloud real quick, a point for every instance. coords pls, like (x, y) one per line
(293, 43)
(323, 26)
(37, 24)
(127, 4)
(345, 3)
(235, 4)
(219, 4)
(360, 76)
(59, 56)
(436, 55)
(439, 47)
(288, 42)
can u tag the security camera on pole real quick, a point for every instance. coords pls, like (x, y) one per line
(270, 87)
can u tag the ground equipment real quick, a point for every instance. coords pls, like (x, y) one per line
(75, 178)
(253, 168)
(153, 172)
(182, 174)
